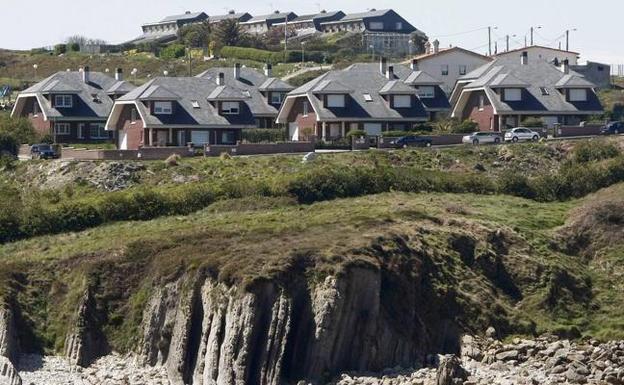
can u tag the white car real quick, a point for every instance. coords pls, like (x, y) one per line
(481, 138)
(520, 134)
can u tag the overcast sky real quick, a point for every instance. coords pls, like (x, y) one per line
(36, 23)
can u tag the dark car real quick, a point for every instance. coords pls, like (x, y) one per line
(42, 151)
(613, 128)
(412, 141)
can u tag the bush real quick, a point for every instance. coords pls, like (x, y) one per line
(356, 133)
(243, 53)
(173, 51)
(465, 127)
(592, 151)
(264, 135)
(533, 123)
(60, 49)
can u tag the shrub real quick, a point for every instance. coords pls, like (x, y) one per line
(593, 151)
(533, 123)
(356, 133)
(60, 49)
(243, 53)
(465, 127)
(173, 51)
(264, 135)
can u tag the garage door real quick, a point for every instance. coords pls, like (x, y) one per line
(372, 129)
(200, 137)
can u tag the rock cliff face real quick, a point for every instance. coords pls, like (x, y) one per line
(205, 332)
(8, 348)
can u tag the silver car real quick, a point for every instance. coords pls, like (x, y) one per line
(481, 138)
(521, 133)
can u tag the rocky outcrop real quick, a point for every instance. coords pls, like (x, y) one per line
(206, 332)
(86, 342)
(8, 348)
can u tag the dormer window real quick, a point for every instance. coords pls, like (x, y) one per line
(578, 95)
(63, 101)
(336, 101)
(230, 108)
(402, 101)
(426, 92)
(277, 97)
(163, 108)
(376, 25)
(512, 94)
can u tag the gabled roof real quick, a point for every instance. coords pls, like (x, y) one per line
(363, 15)
(446, 51)
(508, 80)
(275, 84)
(185, 16)
(228, 93)
(536, 46)
(314, 16)
(421, 78)
(242, 16)
(120, 87)
(574, 81)
(93, 100)
(331, 87)
(158, 92)
(272, 16)
(396, 87)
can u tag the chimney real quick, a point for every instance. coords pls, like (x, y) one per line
(428, 47)
(390, 73)
(187, 12)
(85, 74)
(119, 74)
(268, 70)
(382, 65)
(221, 79)
(436, 46)
(524, 59)
(231, 12)
(237, 68)
(565, 66)
(414, 65)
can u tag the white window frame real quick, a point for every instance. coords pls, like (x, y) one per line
(463, 69)
(230, 108)
(81, 130)
(512, 94)
(444, 69)
(63, 101)
(163, 108)
(101, 132)
(398, 25)
(61, 128)
(402, 101)
(576, 96)
(225, 134)
(306, 108)
(336, 101)
(277, 98)
(481, 102)
(376, 25)
(426, 92)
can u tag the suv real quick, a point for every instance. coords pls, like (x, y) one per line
(412, 141)
(481, 137)
(613, 128)
(42, 151)
(521, 133)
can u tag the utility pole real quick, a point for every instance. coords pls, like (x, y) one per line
(190, 60)
(490, 41)
(531, 36)
(507, 40)
(567, 40)
(285, 35)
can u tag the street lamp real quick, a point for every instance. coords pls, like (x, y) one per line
(134, 73)
(372, 47)
(410, 42)
(303, 43)
(567, 33)
(532, 31)
(35, 66)
(490, 39)
(166, 73)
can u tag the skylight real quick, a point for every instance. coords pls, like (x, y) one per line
(368, 97)
(195, 103)
(544, 91)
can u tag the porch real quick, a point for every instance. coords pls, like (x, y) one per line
(163, 137)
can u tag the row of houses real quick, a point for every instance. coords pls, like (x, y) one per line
(215, 106)
(384, 29)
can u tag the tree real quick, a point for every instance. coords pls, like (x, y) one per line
(227, 33)
(15, 131)
(60, 49)
(195, 35)
(173, 51)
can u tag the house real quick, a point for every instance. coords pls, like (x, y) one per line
(501, 94)
(368, 97)
(597, 73)
(382, 30)
(72, 106)
(448, 64)
(262, 24)
(267, 92)
(543, 53)
(312, 22)
(166, 30)
(231, 15)
(211, 108)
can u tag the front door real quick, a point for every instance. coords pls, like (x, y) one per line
(181, 138)
(123, 140)
(293, 131)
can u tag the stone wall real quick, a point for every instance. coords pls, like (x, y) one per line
(259, 148)
(148, 153)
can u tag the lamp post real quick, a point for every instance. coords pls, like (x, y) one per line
(532, 31)
(372, 47)
(490, 39)
(35, 66)
(410, 42)
(303, 43)
(134, 73)
(567, 33)
(166, 73)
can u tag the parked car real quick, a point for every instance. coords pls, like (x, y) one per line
(412, 141)
(42, 151)
(482, 137)
(613, 128)
(521, 133)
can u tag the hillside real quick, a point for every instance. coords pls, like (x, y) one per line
(290, 271)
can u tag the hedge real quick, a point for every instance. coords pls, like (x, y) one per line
(264, 135)
(243, 53)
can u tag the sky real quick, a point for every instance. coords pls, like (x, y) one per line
(37, 23)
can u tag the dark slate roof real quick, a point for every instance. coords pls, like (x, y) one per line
(366, 79)
(229, 93)
(243, 16)
(331, 87)
(396, 87)
(185, 16)
(314, 16)
(93, 99)
(534, 77)
(275, 84)
(158, 92)
(363, 15)
(120, 87)
(250, 80)
(190, 90)
(272, 16)
(421, 78)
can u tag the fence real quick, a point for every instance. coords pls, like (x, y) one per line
(259, 148)
(148, 153)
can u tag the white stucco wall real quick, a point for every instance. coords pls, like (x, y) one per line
(454, 59)
(544, 54)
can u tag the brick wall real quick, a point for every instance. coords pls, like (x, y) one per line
(578, 130)
(134, 130)
(436, 140)
(259, 148)
(484, 117)
(296, 115)
(151, 153)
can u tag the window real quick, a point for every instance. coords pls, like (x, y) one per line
(368, 97)
(63, 101)
(61, 128)
(36, 108)
(133, 115)
(276, 98)
(462, 70)
(97, 131)
(376, 25)
(164, 108)
(228, 137)
(444, 70)
(481, 102)
(195, 103)
(81, 130)
(306, 108)
(402, 101)
(512, 94)
(398, 26)
(426, 92)
(578, 95)
(544, 91)
(230, 108)
(337, 101)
